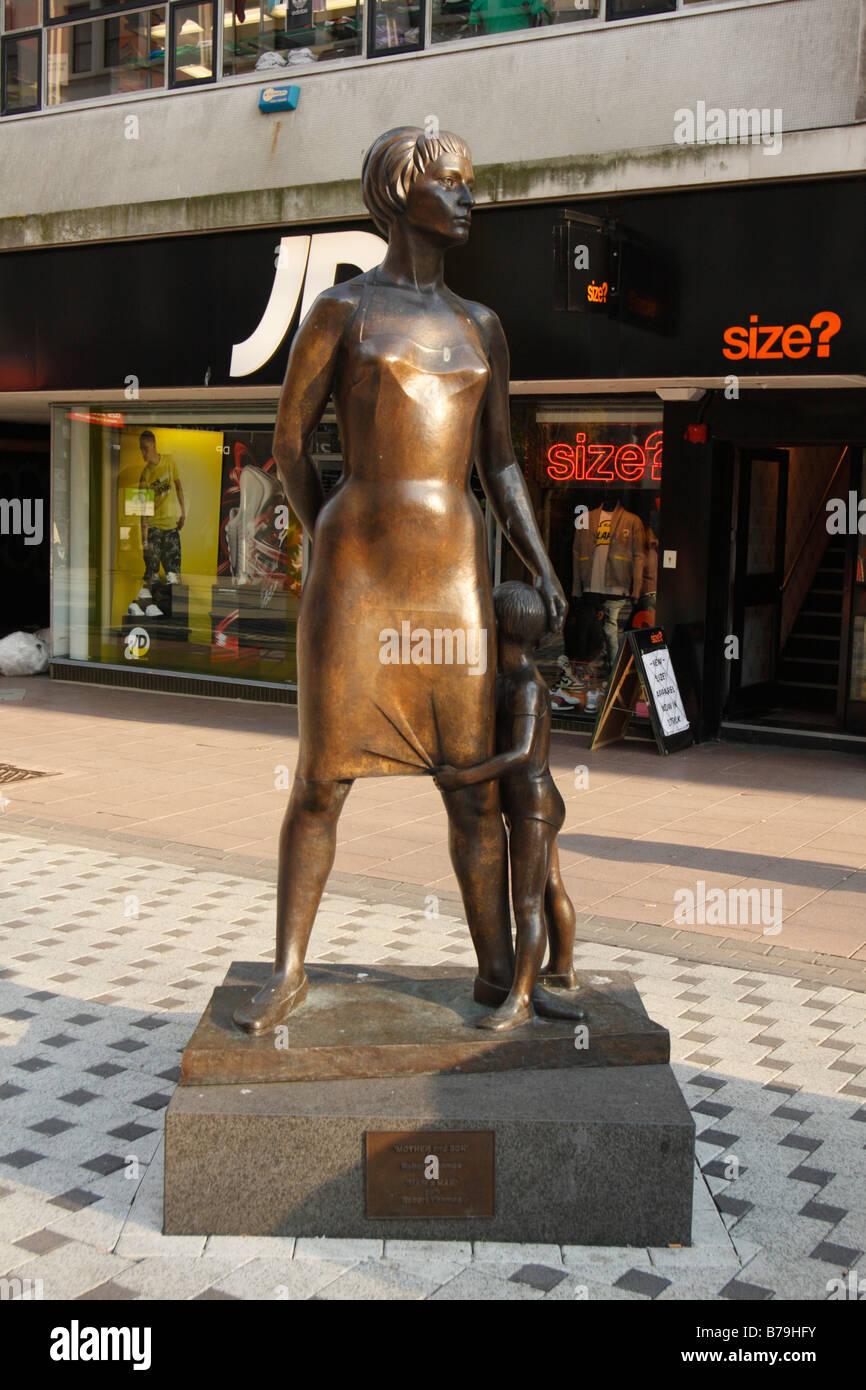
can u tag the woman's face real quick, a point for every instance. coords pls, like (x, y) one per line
(440, 200)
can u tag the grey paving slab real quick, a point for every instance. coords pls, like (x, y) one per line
(77, 1005)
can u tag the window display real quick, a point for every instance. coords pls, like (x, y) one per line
(175, 548)
(594, 473)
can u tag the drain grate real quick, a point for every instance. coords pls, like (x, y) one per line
(18, 774)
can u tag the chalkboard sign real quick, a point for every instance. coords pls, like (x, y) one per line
(643, 670)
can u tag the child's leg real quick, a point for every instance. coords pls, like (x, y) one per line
(559, 912)
(529, 847)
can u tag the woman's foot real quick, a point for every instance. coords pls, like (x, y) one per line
(272, 1005)
(487, 992)
(514, 1012)
(555, 1006)
(555, 978)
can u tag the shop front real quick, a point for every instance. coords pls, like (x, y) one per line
(680, 456)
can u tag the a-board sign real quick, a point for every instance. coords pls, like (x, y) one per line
(643, 670)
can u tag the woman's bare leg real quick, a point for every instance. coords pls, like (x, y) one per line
(479, 855)
(308, 841)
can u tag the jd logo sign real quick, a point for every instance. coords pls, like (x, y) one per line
(307, 263)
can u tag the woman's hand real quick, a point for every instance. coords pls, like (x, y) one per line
(448, 779)
(554, 599)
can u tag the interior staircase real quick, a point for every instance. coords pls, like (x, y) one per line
(808, 674)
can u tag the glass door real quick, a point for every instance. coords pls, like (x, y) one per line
(758, 575)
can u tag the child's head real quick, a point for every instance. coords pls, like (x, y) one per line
(521, 616)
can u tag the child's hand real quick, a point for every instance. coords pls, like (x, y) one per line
(448, 779)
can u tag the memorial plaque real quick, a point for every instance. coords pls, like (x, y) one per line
(426, 1174)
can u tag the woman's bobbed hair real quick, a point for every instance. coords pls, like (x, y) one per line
(394, 161)
(520, 613)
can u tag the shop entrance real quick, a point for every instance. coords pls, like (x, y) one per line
(797, 611)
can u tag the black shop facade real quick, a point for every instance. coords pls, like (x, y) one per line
(688, 405)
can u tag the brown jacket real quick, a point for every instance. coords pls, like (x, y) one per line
(625, 554)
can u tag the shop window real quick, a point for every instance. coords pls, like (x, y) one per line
(192, 55)
(633, 9)
(461, 19)
(103, 56)
(594, 476)
(82, 9)
(174, 546)
(21, 62)
(289, 32)
(20, 14)
(395, 26)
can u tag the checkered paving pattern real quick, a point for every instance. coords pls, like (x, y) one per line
(108, 960)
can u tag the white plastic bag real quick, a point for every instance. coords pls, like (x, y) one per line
(22, 654)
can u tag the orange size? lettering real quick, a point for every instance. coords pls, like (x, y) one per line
(762, 342)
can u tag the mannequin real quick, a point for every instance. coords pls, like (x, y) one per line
(609, 555)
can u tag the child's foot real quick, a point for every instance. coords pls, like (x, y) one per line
(514, 1012)
(274, 1002)
(554, 1006)
(554, 978)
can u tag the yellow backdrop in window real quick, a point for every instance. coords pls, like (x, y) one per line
(198, 461)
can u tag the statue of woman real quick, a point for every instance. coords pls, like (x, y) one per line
(420, 384)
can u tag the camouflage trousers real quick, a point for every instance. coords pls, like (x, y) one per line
(161, 546)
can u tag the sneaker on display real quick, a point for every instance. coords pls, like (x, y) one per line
(144, 594)
(593, 699)
(568, 703)
(151, 611)
(172, 578)
(135, 610)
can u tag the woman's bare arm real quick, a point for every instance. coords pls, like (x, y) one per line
(501, 475)
(309, 379)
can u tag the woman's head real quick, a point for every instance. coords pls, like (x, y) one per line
(521, 616)
(427, 176)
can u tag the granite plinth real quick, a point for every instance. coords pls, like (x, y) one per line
(598, 1154)
(363, 1022)
(583, 1156)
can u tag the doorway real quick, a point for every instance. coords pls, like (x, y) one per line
(797, 603)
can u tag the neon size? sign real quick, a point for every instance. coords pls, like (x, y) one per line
(585, 462)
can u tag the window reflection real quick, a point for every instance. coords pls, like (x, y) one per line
(21, 74)
(192, 43)
(20, 14)
(96, 59)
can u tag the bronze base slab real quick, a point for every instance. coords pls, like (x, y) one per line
(362, 1022)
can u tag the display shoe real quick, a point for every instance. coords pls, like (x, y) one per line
(172, 578)
(254, 559)
(135, 610)
(151, 611)
(593, 700)
(144, 595)
(569, 689)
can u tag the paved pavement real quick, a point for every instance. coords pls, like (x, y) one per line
(640, 828)
(111, 949)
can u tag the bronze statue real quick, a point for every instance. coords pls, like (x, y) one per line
(534, 812)
(420, 383)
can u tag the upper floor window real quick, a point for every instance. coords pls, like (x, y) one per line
(59, 51)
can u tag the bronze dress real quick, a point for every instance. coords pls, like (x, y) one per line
(409, 393)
